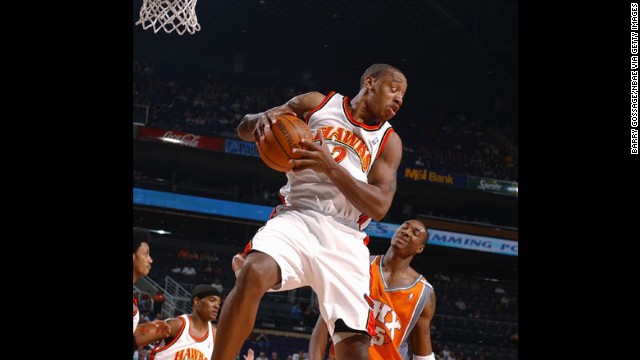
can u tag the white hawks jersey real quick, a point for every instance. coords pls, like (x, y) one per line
(353, 145)
(136, 314)
(184, 346)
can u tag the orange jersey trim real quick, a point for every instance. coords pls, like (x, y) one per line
(385, 137)
(347, 112)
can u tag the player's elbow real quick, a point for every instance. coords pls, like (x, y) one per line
(378, 213)
(378, 217)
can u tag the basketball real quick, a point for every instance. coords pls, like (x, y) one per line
(279, 139)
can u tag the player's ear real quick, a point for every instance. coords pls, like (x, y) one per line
(420, 249)
(369, 82)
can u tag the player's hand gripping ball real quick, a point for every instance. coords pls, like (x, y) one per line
(279, 139)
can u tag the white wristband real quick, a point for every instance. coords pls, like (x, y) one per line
(428, 357)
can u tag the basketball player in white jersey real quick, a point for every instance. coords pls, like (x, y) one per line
(192, 335)
(345, 178)
(404, 302)
(148, 332)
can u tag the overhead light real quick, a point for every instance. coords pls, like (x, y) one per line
(161, 232)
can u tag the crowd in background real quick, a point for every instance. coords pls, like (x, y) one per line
(445, 140)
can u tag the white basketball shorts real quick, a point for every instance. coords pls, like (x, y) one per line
(316, 250)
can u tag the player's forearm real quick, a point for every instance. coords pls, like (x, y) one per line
(247, 126)
(146, 339)
(372, 200)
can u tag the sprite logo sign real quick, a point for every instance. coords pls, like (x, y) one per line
(493, 185)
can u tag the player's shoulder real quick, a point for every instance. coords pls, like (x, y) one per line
(423, 280)
(178, 321)
(392, 137)
(314, 97)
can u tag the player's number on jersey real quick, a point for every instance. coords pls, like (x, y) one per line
(378, 339)
(338, 153)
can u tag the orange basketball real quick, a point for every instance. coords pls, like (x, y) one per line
(279, 139)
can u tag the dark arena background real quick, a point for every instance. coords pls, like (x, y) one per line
(203, 192)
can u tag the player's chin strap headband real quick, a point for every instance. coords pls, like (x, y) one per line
(205, 293)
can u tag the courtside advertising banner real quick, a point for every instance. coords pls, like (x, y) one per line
(239, 210)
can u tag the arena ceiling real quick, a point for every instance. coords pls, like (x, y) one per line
(458, 43)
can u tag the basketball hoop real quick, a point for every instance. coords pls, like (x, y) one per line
(169, 15)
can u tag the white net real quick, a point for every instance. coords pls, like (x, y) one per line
(169, 15)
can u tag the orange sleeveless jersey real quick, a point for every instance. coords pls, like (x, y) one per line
(396, 312)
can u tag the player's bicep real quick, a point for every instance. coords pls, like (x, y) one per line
(383, 174)
(175, 324)
(304, 103)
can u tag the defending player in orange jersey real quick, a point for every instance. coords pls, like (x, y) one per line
(404, 302)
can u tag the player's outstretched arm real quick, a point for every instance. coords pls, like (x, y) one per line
(149, 332)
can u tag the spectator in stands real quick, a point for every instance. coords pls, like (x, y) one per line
(217, 270)
(262, 341)
(316, 238)
(446, 353)
(158, 301)
(296, 314)
(310, 314)
(145, 302)
(403, 302)
(143, 334)
(461, 306)
(513, 339)
(184, 253)
(205, 257)
(188, 271)
(262, 356)
(216, 284)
